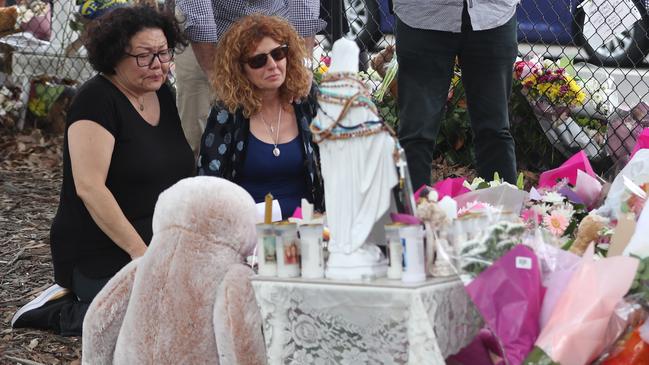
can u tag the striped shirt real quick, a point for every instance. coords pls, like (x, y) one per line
(447, 15)
(207, 20)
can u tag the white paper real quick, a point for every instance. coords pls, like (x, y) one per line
(606, 18)
(261, 211)
(639, 244)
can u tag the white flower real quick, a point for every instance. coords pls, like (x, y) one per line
(433, 196)
(495, 183)
(473, 185)
(540, 209)
(599, 97)
(593, 85)
(548, 63)
(552, 197)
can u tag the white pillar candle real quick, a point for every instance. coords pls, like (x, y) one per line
(266, 250)
(395, 251)
(288, 257)
(412, 240)
(311, 251)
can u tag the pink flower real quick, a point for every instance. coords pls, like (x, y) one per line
(530, 215)
(522, 69)
(326, 60)
(556, 222)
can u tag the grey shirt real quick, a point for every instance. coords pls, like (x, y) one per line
(207, 20)
(446, 15)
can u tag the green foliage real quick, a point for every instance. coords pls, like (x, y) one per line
(477, 255)
(640, 284)
(533, 149)
(591, 123)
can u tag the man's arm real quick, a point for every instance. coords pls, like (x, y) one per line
(200, 28)
(204, 53)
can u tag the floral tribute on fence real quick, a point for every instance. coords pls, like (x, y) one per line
(571, 112)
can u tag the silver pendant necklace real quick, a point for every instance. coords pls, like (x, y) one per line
(276, 150)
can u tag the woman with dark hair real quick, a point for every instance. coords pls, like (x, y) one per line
(123, 146)
(258, 133)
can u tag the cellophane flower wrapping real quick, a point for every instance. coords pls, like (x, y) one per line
(508, 295)
(576, 331)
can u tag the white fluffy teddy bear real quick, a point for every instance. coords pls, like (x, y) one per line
(188, 300)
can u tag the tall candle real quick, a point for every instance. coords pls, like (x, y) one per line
(268, 212)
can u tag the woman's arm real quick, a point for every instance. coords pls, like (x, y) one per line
(91, 148)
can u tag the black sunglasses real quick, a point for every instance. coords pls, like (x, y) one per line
(260, 60)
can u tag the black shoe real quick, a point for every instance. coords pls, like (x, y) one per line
(44, 311)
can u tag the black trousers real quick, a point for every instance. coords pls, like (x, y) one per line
(426, 60)
(69, 322)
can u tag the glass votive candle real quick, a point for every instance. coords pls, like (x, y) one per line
(395, 251)
(266, 250)
(311, 251)
(412, 239)
(288, 252)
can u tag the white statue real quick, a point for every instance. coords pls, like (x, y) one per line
(358, 167)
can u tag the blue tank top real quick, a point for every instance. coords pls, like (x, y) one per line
(283, 176)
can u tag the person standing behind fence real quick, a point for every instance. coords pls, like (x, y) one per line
(205, 22)
(429, 38)
(123, 146)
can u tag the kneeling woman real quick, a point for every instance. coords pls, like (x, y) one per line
(123, 146)
(258, 133)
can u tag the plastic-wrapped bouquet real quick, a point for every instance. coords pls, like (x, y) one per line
(544, 79)
(552, 210)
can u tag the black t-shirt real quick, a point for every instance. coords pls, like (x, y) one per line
(146, 160)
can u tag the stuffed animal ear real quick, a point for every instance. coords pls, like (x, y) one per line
(105, 315)
(237, 320)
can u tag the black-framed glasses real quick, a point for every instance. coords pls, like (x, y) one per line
(260, 60)
(146, 59)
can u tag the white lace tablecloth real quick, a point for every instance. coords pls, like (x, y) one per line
(379, 322)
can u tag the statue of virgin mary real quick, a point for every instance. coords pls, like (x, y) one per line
(357, 154)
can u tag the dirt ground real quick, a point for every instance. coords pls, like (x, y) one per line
(30, 181)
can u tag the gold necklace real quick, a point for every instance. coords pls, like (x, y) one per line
(269, 127)
(140, 100)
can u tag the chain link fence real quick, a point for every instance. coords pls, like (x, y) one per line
(579, 84)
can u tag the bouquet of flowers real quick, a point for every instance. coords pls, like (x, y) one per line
(601, 99)
(546, 80)
(554, 93)
(553, 211)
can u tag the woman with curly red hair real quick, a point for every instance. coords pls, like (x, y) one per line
(257, 134)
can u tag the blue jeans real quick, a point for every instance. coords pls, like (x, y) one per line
(426, 61)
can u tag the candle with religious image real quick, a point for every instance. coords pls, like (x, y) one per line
(266, 250)
(311, 251)
(288, 254)
(395, 250)
(412, 240)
